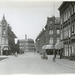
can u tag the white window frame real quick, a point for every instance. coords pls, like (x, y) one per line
(58, 31)
(58, 39)
(51, 40)
(51, 31)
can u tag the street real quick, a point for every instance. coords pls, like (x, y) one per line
(31, 63)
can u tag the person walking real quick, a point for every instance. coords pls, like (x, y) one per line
(54, 56)
(16, 54)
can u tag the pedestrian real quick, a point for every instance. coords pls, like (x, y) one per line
(54, 56)
(61, 54)
(16, 54)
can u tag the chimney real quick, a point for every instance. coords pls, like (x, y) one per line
(25, 37)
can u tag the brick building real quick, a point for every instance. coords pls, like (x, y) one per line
(50, 35)
(67, 16)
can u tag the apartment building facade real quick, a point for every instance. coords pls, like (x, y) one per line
(7, 38)
(50, 35)
(67, 21)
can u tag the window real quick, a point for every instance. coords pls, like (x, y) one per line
(50, 31)
(74, 7)
(72, 10)
(66, 32)
(51, 40)
(66, 50)
(58, 31)
(69, 13)
(64, 17)
(58, 39)
(69, 31)
(3, 40)
(50, 22)
(61, 35)
(3, 32)
(66, 14)
(72, 30)
(61, 20)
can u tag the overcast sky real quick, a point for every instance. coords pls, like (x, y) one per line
(28, 17)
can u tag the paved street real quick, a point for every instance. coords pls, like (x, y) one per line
(31, 63)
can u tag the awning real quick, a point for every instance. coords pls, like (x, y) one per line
(44, 47)
(47, 47)
(59, 45)
(6, 48)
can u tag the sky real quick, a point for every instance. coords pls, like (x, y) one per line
(28, 17)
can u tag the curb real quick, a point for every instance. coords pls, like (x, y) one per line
(65, 65)
(4, 59)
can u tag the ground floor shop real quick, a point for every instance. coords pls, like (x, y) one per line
(49, 51)
(69, 48)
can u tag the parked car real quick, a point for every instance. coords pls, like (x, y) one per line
(72, 56)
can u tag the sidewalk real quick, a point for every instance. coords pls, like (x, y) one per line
(64, 62)
(3, 57)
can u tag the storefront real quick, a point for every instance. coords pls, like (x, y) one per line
(48, 49)
(6, 50)
(59, 48)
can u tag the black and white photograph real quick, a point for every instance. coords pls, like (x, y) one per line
(37, 37)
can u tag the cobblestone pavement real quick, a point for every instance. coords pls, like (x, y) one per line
(31, 63)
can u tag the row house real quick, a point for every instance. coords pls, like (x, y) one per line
(52, 32)
(40, 41)
(50, 35)
(7, 38)
(67, 33)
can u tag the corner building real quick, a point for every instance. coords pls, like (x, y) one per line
(7, 38)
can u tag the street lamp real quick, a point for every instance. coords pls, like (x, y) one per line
(38, 41)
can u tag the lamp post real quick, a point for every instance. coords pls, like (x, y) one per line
(38, 42)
